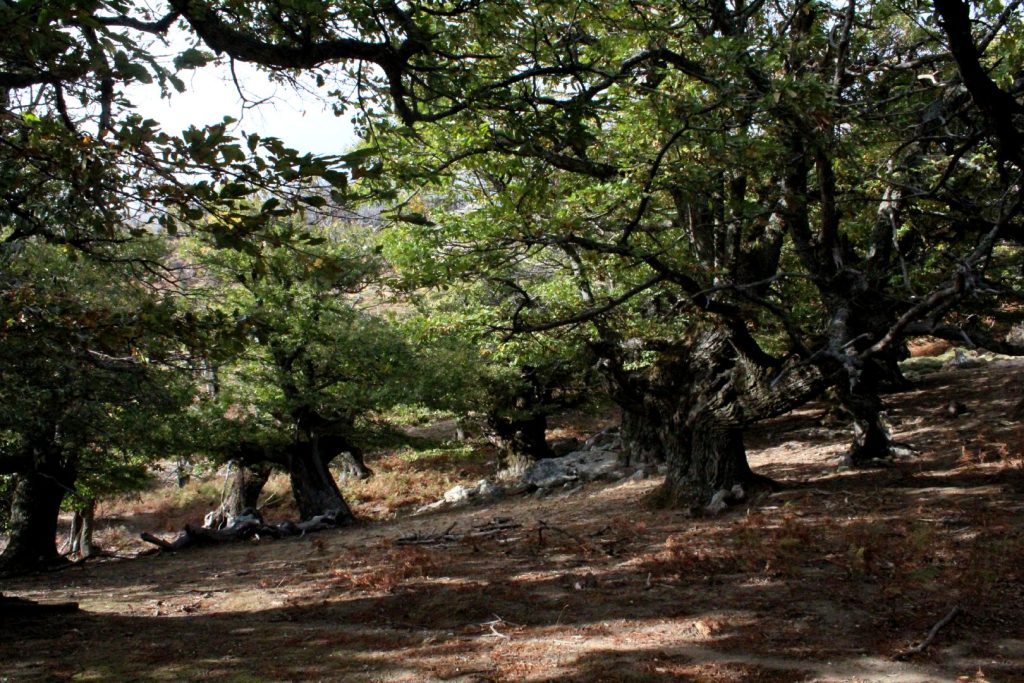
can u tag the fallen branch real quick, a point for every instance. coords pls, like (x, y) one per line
(543, 526)
(497, 621)
(246, 528)
(441, 538)
(917, 649)
(495, 527)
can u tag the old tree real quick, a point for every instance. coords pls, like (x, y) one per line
(748, 202)
(734, 204)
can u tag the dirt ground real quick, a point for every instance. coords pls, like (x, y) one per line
(826, 580)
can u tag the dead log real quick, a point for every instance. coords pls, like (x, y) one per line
(244, 529)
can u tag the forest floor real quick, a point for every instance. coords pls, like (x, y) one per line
(827, 580)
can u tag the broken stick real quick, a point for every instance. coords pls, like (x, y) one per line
(931, 635)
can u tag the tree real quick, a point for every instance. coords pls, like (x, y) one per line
(791, 175)
(85, 386)
(738, 165)
(313, 364)
(516, 383)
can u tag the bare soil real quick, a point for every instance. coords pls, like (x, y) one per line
(826, 580)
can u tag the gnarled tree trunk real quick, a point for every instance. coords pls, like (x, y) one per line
(695, 403)
(871, 438)
(521, 439)
(640, 430)
(313, 485)
(245, 488)
(241, 492)
(862, 401)
(518, 418)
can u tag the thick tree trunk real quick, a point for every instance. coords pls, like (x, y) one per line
(709, 469)
(521, 440)
(245, 488)
(518, 417)
(314, 488)
(872, 440)
(690, 408)
(640, 430)
(32, 541)
(241, 493)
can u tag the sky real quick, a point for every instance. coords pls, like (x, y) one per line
(300, 120)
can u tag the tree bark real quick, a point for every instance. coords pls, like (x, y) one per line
(81, 544)
(35, 508)
(521, 440)
(313, 485)
(245, 487)
(712, 462)
(689, 409)
(862, 401)
(518, 417)
(871, 438)
(639, 430)
(241, 493)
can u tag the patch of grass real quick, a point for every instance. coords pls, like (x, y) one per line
(446, 453)
(922, 365)
(413, 415)
(412, 477)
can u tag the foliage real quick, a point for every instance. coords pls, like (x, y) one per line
(314, 356)
(599, 181)
(87, 359)
(81, 168)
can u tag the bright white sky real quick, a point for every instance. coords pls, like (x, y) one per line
(299, 120)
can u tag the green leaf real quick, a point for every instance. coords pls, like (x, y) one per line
(130, 69)
(314, 200)
(415, 219)
(232, 153)
(192, 59)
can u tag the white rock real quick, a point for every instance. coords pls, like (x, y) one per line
(605, 440)
(458, 494)
(580, 465)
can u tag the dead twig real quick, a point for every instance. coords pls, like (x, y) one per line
(543, 526)
(931, 635)
(494, 631)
